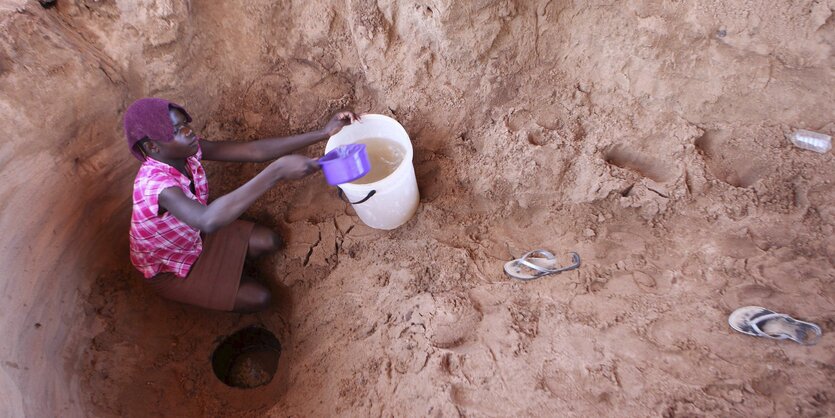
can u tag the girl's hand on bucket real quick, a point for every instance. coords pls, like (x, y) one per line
(340, 120)
(293, 167)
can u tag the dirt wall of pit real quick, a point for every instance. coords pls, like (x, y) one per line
(655, 102)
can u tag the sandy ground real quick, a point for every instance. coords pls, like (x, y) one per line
(421, 320)
(648, 136)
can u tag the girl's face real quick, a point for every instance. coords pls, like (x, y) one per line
(184, 144)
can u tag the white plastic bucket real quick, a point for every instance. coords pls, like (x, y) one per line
(393, 200)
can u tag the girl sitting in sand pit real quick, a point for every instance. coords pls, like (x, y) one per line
(189, 250)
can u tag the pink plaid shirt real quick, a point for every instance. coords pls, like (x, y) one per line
(160, 244)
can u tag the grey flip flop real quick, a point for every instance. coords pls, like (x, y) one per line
(761, 322)
(529, 266)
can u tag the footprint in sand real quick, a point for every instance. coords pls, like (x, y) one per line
(728, 161)
(747, 294)
(731, 392)
(639, 163)
(737, 247)
(669, 332)
(643, 280)
(771, 384)
(454, 320)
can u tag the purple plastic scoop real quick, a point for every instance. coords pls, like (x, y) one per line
(345, 164)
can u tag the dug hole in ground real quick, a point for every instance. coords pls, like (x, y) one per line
(649, 136)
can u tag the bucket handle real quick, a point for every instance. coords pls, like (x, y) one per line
(342, 196)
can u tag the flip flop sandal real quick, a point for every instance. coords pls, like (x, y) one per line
(529, 267)
(761, 322)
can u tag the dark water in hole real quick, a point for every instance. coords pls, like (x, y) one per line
(247, 358)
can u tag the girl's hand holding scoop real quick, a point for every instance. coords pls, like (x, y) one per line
(293, 167)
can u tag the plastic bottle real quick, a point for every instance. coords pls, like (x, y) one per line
(812, 141)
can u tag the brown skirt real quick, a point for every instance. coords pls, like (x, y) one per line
(214, 278)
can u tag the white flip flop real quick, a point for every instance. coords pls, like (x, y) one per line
(761, 322)
(529, 267)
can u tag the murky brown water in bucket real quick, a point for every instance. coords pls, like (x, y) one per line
(384, 155)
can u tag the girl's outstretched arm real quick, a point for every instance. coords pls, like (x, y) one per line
(225, 209)
(268, 149)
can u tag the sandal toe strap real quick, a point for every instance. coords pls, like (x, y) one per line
(801, 329)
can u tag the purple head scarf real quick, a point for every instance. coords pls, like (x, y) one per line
(148, 118)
